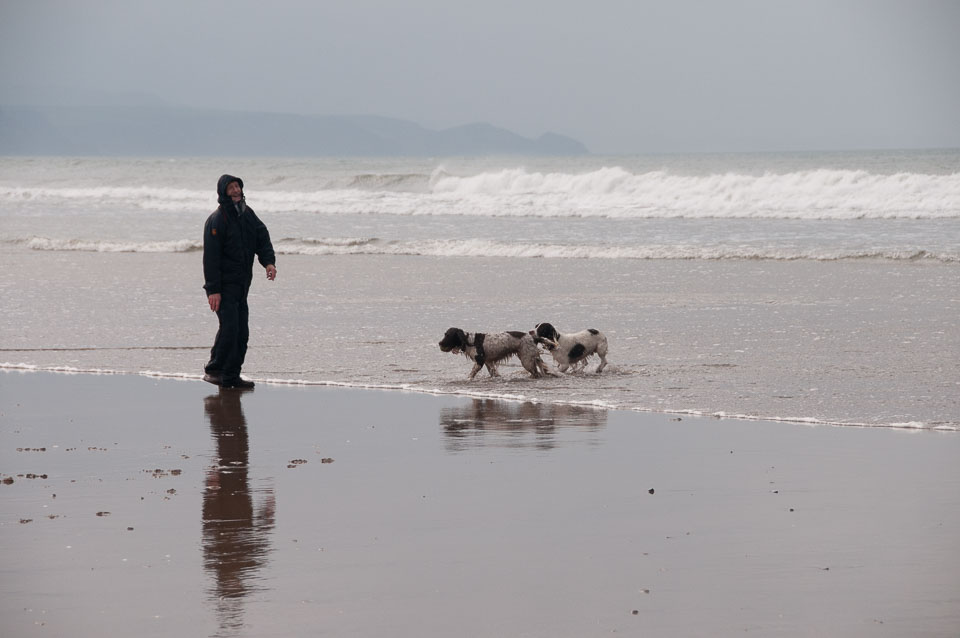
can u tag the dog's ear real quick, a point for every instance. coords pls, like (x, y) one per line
(451, 339)
(462, 336)
(546, 331)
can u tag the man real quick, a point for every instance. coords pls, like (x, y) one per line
(232, 235)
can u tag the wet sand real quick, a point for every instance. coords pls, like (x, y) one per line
(154, 507)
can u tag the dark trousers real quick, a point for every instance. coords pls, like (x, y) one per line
(230, 346)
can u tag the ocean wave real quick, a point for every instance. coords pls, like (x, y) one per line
(607, 192)
(132, 197)
(99, 246)
(401, 182)
(492, 248)
(814, 194)
(502, 249)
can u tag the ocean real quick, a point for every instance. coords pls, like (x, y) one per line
(813, 287)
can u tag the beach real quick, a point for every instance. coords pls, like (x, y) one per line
(149, 506)
(561, 321)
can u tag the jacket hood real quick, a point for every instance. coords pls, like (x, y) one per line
(222, 184)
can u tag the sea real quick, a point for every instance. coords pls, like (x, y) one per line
(814, 287)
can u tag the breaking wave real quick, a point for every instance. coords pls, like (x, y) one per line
(607, 192)
(97, 246)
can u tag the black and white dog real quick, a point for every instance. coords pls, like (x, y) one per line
(490, 349)
(572, 349)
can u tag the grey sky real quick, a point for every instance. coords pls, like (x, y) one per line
(620, 76)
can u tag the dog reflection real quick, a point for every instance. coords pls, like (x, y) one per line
(235, 537)
(504, 423)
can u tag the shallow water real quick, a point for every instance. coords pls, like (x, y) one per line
(158, 507)
(861, 342)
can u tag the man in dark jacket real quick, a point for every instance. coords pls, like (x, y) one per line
(232, 235)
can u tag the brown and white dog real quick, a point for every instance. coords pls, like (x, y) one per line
(489, 349)
(572, 349)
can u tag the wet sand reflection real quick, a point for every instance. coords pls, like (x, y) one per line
(236, 539)
(491, 422)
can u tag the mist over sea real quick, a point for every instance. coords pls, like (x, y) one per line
(656, 251)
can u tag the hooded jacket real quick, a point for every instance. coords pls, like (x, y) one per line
(232, 235)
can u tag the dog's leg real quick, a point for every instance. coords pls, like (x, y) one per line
(602, 352)
(537, 366)
(530, 359)
(492, 369)
(544, 369)
(530, 365)
(476, 369)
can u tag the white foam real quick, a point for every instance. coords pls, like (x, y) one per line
(135, 197)
(915, 425)
(607, 192)
(911, 425)
(492, 248)
(84, 245)
(812, 194)
(27, 367)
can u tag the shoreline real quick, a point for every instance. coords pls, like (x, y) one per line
(860, 343)
(26, 368)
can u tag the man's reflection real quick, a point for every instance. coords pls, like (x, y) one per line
(485, 422)
(235, 538)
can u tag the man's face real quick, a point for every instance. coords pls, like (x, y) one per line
(234, 191)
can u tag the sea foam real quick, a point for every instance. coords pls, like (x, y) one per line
(505, 249)
(610, 192)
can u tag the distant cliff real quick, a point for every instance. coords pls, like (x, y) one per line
(161, 130)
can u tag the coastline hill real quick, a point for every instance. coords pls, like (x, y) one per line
(159, 130)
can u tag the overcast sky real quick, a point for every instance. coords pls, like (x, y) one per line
(621, 76)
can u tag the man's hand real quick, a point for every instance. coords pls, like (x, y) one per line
(271, 272)
(214, 301)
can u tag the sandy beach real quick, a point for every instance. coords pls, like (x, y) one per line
(156, 507)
